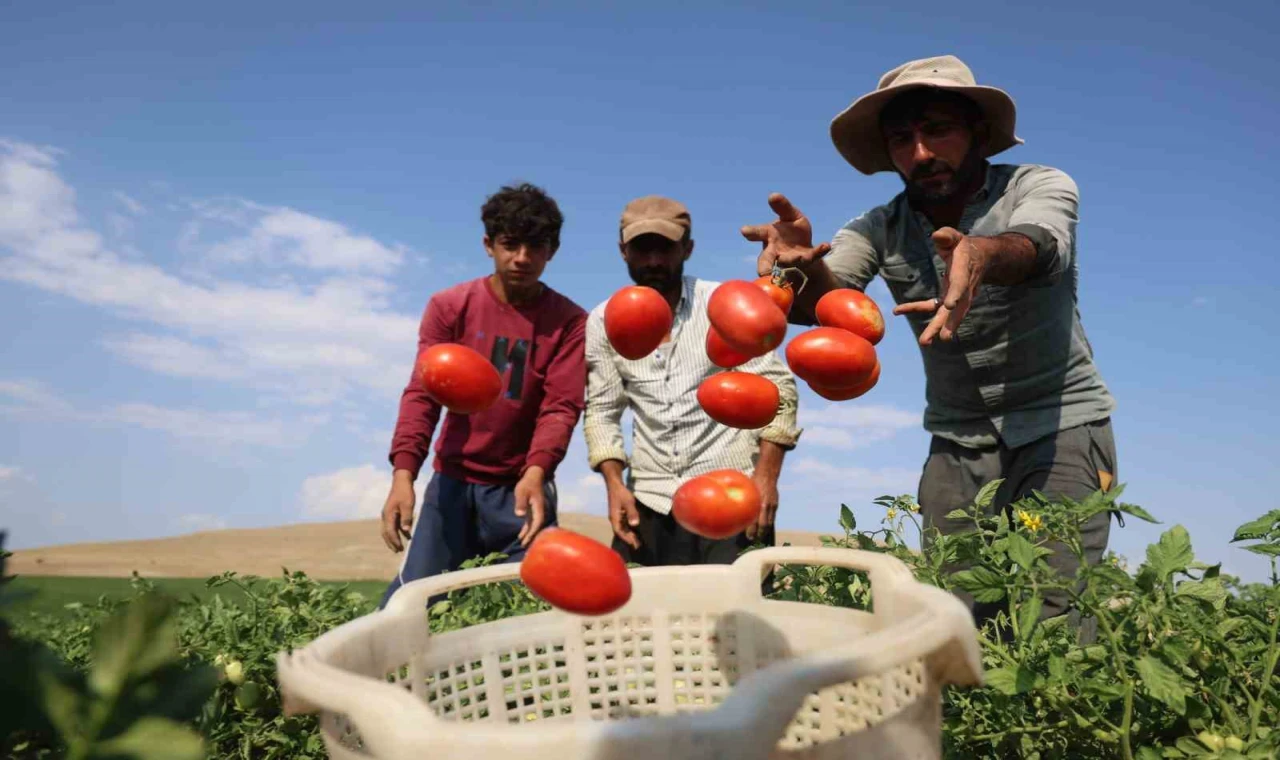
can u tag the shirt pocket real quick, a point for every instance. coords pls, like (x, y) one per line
(908, 281)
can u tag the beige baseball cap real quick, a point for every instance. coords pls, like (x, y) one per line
(653, 213)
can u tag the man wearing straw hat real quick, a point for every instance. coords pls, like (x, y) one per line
(981, 260)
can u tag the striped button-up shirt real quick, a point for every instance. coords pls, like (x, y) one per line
(673, 439)
(1020, 366)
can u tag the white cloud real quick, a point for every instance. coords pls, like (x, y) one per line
(201, 522)
(131, 204)
(309, 339)
(119, 224)
(11, 472)
(585, 493)
(846, 426)
(882, 480)
(353, 493)
(227, 427)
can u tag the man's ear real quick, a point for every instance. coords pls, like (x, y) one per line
(488, 246)
(688, 249)
(622, 249)
(982, 134)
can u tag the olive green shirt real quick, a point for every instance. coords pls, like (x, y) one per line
(1020, 366)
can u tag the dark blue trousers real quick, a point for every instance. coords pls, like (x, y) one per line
(459, 521)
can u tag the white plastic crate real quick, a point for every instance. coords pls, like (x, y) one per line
(696, 665)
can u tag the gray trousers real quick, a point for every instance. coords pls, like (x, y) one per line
(1074, 463)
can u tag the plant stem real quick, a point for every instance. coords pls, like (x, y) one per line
(1017, 731)
(1273, 654)
(1104, 622)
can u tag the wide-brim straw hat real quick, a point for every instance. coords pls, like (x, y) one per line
(856, 130)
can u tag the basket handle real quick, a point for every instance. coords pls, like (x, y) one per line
(415, 594)
(883, 568)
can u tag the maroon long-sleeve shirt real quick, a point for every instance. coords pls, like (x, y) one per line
(538, 348)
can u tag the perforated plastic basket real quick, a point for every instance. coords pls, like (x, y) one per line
(696, 665)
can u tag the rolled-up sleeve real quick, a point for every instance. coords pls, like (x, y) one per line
(606, 399)
(784, 429)
(853, 258)
(1046, 211)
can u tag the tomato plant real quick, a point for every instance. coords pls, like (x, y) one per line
(778, 290)
(851, 310)
(853, 391)
(721, 353)
(746, 317)
(636, 319)
(831, 357)
(459, 378)
(575, 573)
(719, 504)
(739, 399)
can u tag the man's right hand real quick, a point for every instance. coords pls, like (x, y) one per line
(397, 513)
(788, 242)
(623, 515)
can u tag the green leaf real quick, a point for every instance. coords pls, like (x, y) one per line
(1149, 753)
(155, 739)
(985, 585)
(1259, 528)
(1176, 651)
(1226, 627)
(987, 494)
(1028, 614)
(847, 520)
(62, 704)
(1021, 551)
(1161, 683)
(1266, 550)
(1171, 554)
(1136, 511)
(957, 514)
(1008, 680)
(136, 641)
(1057, 668)
(1211, 592)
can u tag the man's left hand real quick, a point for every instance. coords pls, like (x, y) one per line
(530, 503)
(966, 266)
(768, 487)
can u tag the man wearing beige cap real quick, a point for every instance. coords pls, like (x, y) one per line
(673, 439)
(981, 259)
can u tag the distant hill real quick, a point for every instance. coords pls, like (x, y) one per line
(351, 550)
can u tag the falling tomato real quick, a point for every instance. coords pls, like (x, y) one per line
(851, 310)
(575, 573)
(636, 319)
(721, 353)
(831, 357)
(717, 505)
(852, 392)
(739, 399)
(746, 317)
(779, 291)
(459, 378)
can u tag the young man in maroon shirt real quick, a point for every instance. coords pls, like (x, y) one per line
(493, 487)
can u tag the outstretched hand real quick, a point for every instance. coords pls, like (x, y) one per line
(787, 242)
(966, 266)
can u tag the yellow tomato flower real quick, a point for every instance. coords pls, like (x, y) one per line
(1032, 522)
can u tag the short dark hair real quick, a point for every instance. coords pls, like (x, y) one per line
(910, 105)
(524, 212)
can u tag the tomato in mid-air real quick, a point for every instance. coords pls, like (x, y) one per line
(779, 290)
(746, 317)
(721, 353)
(739, 399)
(717, 505)
(636, 319)
(459, 378)
(851, 310)
(575, 573)
(831, 357)
(852, 392)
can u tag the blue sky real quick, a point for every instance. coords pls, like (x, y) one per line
(219, 225)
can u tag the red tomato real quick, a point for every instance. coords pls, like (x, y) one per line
(717, 505)
(459, 378)
(852, 392)
(780, 291)
(739, 399)
(575, 573)
(851, 310)
(722, 354)
(746, 317)
(831, 357)
(636, 319)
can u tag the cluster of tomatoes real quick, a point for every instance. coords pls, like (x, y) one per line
(748, 319)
